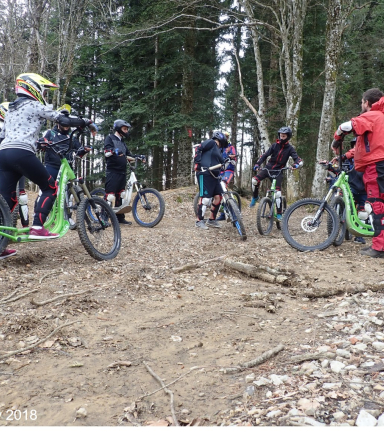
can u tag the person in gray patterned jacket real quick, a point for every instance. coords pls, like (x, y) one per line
(18, 138)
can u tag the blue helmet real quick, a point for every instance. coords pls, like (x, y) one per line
(221, 138)
(285, 130)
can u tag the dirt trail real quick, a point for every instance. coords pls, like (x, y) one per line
(140, 310)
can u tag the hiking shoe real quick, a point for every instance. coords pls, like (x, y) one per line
(213, 223)
(221, 217)
(201, 225)
(41, 234)
(359, 240)
(253, 202)
(7, 253)
(372, 253)
(124, 222)
(279, 217)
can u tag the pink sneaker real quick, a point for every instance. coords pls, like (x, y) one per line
(41, 234)
(7, 253)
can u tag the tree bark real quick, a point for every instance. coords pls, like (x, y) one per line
(338, 10)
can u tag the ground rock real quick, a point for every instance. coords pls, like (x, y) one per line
(337, 366)
(365, 419)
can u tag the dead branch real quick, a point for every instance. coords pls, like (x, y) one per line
(167, 385)
(10, 295)
(330, 292)
(36, 303)
(242, 314)
(36, 344)
(175, 422)
(311, 356)
(119, 363)
(18, 297)
(259, 272)
(257, 361)
(196, 265)
(50, 274)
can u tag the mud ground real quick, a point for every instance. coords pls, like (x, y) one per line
(139, 310)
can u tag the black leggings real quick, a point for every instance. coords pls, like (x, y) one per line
(14, 163)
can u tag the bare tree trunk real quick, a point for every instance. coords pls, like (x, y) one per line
(34, 52)
(185, 145)
(260, 113)
(338, 10)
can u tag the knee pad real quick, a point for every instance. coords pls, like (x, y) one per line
(23, 199)
(205, 202)
(215, 209)
(255, 183)
(378, 223)
(111, 199)
(278, 199)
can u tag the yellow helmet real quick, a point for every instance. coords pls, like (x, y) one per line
(227, 135)
(3, 109)
(64, 109)
(34, 85)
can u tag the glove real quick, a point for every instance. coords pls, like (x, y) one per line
(42, 143)
(87, 122)
(117, 152)
(83, 151)
(256, 167)
(295, 166)
(140, 157)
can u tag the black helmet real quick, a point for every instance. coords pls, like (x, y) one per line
(285, 130)
(118, 124)
(221, 138)
(353, 142)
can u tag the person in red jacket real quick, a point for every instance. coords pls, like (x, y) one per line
(369, 159)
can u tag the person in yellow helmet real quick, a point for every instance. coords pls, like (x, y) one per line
(18, 138)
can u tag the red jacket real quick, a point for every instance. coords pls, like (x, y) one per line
(369, 128)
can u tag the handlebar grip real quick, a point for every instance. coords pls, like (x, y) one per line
(215, 167)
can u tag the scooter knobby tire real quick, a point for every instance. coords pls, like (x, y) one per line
(100, 192)
(263, 222)
(5, 220)
(339, 207)
(157, 204)
(237, 220)
(237, 198)
(289, 231)
(90, 229)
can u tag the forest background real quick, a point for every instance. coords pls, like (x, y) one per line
(159, 65)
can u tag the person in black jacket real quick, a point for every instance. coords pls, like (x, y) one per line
(207, 154)
(59, 133)
(116, 153)
(279, 153)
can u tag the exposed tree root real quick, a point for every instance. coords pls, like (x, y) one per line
(36, 303)
(257, 361)
(36, 344)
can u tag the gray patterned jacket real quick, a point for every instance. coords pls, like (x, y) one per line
(23, 122)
